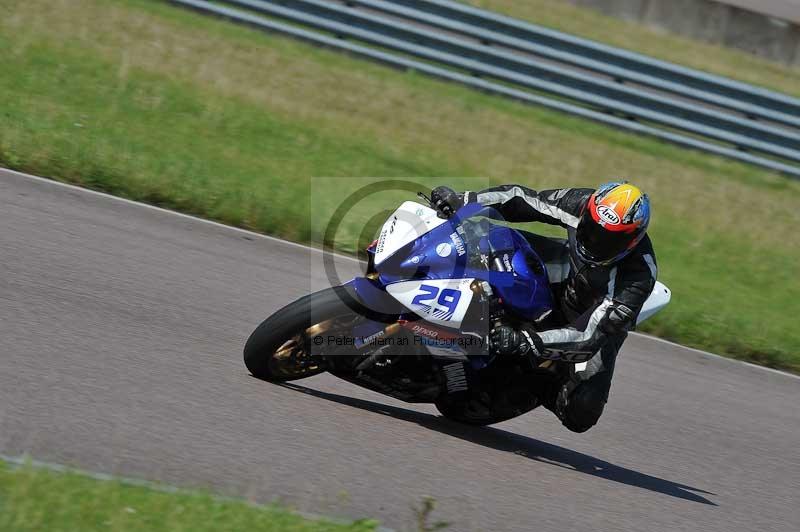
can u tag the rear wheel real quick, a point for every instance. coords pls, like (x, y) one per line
(503, 397)
(280, 349)
(469, 414)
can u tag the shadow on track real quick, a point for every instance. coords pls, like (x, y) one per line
(534, 449)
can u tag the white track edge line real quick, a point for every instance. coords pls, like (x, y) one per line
(304, 246)
(21, 461)
(714, 355)
(127, 201)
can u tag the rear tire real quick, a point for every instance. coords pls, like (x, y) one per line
(286, 324)
(458, 412)
(506, 402)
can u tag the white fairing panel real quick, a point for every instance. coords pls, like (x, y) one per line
(409, 222)
(658, 299)
(440, 301)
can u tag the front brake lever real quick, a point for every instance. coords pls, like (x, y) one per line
(426, 198)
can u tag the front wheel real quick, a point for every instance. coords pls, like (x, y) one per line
(279, 350)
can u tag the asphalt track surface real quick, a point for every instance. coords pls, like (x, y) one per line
(122, 328)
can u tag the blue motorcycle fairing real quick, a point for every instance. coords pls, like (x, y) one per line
(455, 250)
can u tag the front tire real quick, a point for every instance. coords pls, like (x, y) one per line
(279, 349)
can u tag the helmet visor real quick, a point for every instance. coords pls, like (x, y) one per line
(597, 244)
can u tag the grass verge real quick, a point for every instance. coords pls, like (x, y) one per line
(162, 105)
(37, 499)
(640, 38)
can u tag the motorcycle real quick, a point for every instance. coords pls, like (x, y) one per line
(415, 326)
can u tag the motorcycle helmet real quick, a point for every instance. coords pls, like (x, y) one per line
(614, 220)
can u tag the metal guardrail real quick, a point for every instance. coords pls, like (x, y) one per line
(512, 58)
(584, 54)
(610, 55)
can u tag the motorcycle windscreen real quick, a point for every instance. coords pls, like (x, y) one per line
(409, 222)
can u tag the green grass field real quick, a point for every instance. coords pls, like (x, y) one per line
(158, 104)
(33, 499)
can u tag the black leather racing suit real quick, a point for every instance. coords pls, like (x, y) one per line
(599, 304)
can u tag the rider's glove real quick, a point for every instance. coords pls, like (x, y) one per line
(446, 201)
(618, 318)
(505, 340)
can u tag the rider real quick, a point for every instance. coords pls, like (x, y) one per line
(609, 273)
